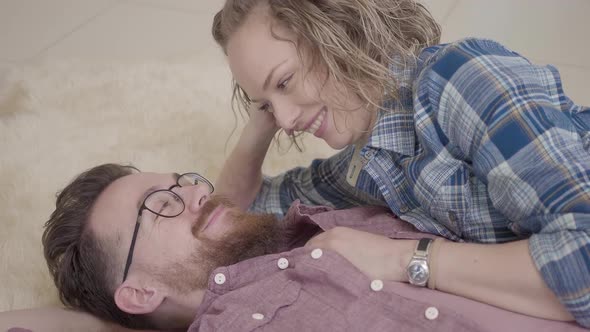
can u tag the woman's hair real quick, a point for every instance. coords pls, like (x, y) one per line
(356, 41)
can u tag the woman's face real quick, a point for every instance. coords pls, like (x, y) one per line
(271, 72)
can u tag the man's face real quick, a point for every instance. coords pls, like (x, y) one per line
(179, 252)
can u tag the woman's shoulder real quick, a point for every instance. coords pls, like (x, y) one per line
(460, 62)
(463, 49)
(443, 61)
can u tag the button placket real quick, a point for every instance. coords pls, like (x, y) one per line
(369, 154)
(431, 313)
(452, 216)
(317, 253)
(219, 278)
(258, 316)
(283, 263)
(377, 285)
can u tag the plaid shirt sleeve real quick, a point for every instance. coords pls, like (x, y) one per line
(529, 143)
(322, 183)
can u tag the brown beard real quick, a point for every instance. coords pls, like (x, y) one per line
(253, 235)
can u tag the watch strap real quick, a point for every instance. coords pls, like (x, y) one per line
(423, 244)
(422, 248)
(433, 262)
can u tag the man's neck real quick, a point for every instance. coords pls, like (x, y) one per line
(179, 312)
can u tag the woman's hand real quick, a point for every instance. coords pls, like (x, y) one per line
(377, 256)
(261, 123)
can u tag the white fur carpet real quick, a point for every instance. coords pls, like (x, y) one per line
(58, 119)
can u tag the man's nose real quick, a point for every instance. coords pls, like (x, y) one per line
(195, 196)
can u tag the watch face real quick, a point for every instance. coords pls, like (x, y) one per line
(418, 273)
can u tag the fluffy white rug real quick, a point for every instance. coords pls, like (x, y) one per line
(58, 119)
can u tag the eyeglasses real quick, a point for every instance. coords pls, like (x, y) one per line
(165, 203)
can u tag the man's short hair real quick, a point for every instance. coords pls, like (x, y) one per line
(80, 263)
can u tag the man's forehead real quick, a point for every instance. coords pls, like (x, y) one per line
(117, 205)
(134, 184)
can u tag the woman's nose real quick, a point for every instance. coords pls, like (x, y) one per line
(287, 116)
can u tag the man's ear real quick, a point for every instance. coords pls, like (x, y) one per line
(135, 299)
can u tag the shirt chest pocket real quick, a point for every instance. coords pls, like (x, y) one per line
(444, 190)
(248, 309)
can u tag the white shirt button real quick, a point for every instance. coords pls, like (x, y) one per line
(317, 253)
(376, 285)
(219, 278)
(258, 316)
(283, 263)
(431, 313)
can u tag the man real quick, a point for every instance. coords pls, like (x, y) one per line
(161, 251)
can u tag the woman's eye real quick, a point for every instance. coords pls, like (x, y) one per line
(264, 108)
(283, 85)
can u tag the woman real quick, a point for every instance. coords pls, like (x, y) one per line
(468, 141)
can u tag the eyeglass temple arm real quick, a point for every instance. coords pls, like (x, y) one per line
(130, 256)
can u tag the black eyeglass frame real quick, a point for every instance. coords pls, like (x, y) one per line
(144, 207)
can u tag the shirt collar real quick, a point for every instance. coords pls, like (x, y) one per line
(394, 129)
(373, 219)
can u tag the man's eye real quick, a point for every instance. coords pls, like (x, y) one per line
(165, 205)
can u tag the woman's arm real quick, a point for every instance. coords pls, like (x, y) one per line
(503, 275)
(241, 176)
(514, 128)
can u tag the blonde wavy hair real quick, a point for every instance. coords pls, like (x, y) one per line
(356, 41)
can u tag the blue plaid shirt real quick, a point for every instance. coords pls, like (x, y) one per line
(482, 146)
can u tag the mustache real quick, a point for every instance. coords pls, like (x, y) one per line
(208, 207)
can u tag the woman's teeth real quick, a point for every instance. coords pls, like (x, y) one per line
(317, 123)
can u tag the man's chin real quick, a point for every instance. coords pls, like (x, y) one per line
(252, 235)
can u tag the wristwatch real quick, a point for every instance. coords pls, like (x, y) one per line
(418, 271)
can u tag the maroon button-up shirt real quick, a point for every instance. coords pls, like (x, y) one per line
(298, 291)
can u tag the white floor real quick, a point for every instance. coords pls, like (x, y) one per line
(546, 31)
